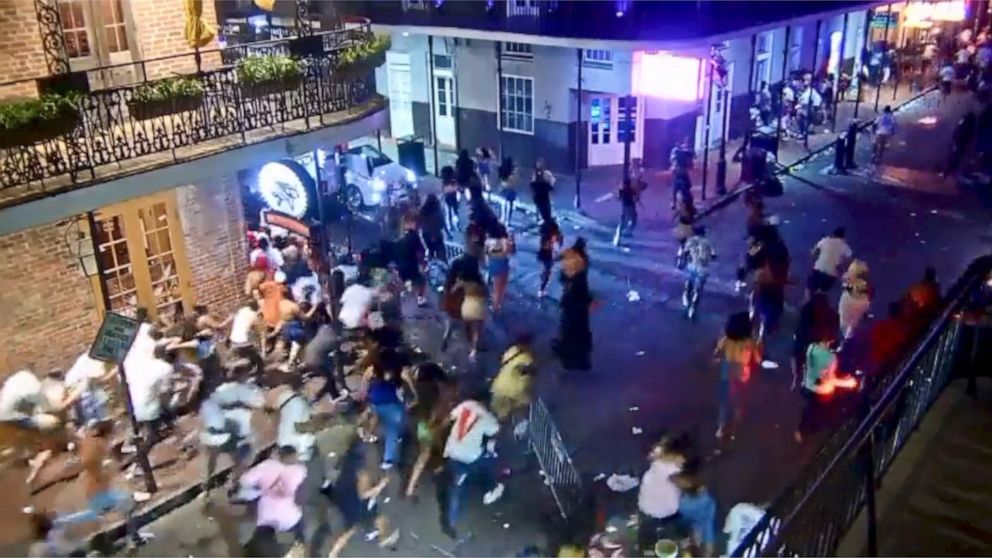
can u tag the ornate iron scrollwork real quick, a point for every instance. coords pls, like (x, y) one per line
(304, 26)
(52, 39)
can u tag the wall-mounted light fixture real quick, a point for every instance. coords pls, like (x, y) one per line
(80, 245)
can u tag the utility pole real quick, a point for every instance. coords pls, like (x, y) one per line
(579, 136)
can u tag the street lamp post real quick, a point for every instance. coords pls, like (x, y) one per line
(706, 133)
(878, 88)
(838, 71)
(859, 61)
(430, 81)
(781, 102)
(628, 121)
(579, 136)
(812, 84)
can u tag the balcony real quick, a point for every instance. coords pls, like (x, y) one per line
(106, 133)
(617, 20)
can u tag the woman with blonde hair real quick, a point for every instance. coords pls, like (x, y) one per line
(855, 297)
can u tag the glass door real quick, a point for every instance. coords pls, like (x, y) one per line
(98, 35)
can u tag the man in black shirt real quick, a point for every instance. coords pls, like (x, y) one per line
(628, 196)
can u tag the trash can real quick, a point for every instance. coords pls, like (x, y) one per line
(411, 154)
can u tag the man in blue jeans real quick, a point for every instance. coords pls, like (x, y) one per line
(473, 428)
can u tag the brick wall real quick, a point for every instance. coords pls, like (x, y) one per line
(159, 26)
(21, 55)
(214, 228)
(49, 309)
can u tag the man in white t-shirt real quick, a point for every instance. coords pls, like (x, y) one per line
(830, 253)
(245, 325)
(149, 382)
(472, 431)
(741, 519)
(24, 406)
(84, 382)
(356, 305)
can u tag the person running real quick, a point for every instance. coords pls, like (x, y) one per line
(226, 417)
(277, 480)
(697, 508)
(629, 195)
(573, 346)
(385, 397)
(433, 398)
(432, 228)
(817, 319)
(358, 495)
(410, 254)
(658, 495)
(855, 298)
(542, 185)
(946, 76)
(449, 187)
(513, 387)
(550, 240)
(738, 354)
(464, 296)
(485, 166)
(829, 254)
(468, 450)
(465, 169)
(699, 254)
(885, 128)
(964, 135)
(499, 248)
(102, 499)
(820, 379)
(508, 189)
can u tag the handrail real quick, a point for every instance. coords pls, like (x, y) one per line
(366, 26)
(767, 535)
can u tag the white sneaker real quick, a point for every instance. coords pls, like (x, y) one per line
(493, 495)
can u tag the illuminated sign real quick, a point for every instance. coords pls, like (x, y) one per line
(956, 10)
(288, 222)
(665, 76)
(286, 187)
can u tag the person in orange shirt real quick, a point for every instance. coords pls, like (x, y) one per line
(272, 293)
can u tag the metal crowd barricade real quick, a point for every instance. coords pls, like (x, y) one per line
(556, 464)
(811, 517)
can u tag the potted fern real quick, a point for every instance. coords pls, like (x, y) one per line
(358, 60)
(165, 96)
(29, 121)
(267, 74)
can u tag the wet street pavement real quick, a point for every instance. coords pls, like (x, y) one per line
(653, 369)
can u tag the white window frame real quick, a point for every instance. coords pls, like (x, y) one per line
(597, 58)
(518, 51)
(85, 29)
(503, 105)
(764, 56)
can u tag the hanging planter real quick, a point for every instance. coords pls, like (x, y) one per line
(261, 76)
(24, 123)
(165, 97)
(357, 61)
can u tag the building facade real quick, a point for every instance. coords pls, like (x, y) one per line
(508, 73)
(121, 203)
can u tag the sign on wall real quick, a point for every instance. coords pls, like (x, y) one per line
(114, 338)
(286, 186)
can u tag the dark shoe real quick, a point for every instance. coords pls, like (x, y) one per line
(449, 531)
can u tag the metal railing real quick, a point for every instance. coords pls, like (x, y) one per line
(557, 469)
(111, 127)
(814, 513)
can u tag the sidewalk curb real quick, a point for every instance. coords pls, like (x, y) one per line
(728, 198)
(112, 536)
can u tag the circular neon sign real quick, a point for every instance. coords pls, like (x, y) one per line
(285, 187)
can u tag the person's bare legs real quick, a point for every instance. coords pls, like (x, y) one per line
(418, 469)
(474, 329)
(341, 542)
(499, 290)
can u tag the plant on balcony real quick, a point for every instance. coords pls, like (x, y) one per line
(32, 120)
(358, 60)
(266, 74)
(165, 96)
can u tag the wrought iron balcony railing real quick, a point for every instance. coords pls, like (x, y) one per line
(812, 516)
(112, 133)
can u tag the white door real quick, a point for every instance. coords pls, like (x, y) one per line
(98, 34)
(719, 112)
(400, 94)
(608, 129)
(444, 108)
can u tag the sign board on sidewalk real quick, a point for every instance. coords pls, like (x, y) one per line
(116, 334)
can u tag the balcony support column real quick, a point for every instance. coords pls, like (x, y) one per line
(52, 38)
(304, 27)
(579, 136)
(430, 82)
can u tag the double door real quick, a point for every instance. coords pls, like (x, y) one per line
(141, 256)
(99, 34)
(610, 127)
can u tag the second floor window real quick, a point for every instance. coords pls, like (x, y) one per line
(113, 25)
(414, 4)
(517, 104)
(517, 50)
(594, 57)
(74, 29)
(522, 7)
